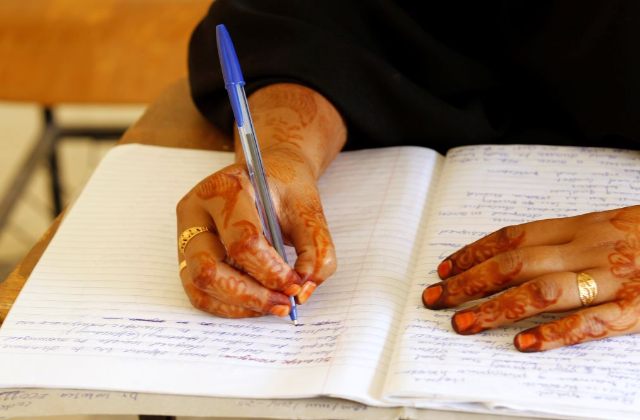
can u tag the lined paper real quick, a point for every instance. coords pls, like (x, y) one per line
(483, 188)
(104, 307)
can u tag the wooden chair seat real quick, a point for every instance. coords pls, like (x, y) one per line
(88, 51)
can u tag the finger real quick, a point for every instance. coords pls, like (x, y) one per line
(603, 321)
(202, 301)
(221, 281)
(189, 214)
(240, 230)
(311, 238)
(543, 232)
(205, 253)
(556, 292)
(504, 270)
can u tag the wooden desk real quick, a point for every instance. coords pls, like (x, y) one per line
(173, 121)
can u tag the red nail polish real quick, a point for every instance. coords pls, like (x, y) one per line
(307, 289)
(462, 321)
(280, 310)
(292, 290)
(431, 295)
(527, 342)
(444, 269)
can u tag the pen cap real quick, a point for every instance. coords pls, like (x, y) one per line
(228, 58)
(230, 70)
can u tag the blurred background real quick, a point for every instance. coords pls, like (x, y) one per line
(32, 210)
(74, 74)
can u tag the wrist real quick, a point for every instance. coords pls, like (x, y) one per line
(295, 119)
(293, 157)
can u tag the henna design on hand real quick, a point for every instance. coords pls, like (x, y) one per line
(327, 131)
(505, 239)
(295, 116)
(226, 185)
(223, 287)
(567, 330)
(625, 263)
(481, 282)
(285, 132)
(296, 98)
(280, 167)
(234, 289)
(200, 300)
(311, 212)
(576, 328)
(290, 155)
(511, 305)
(627, 220)
(262, 263)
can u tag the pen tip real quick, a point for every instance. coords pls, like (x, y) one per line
(295, 322)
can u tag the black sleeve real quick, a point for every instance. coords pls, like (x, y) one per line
(388, 78)
(437, 73)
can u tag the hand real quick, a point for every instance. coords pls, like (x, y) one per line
(540, 260)
(232, 270)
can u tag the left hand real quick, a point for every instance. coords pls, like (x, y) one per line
(541, 260)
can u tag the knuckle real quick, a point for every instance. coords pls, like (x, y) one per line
(225, 310)
(546, 291)
(233, 263)
(597, 244)
(218, 179)
(502, 232)
(199, 301)
(268, 302)
(219, 183)
(205, 277)
(247, 244)
(512, 231)
(511, 261)
(591, 218)
(329, 264)
(281, 281)
(201, 282)
(592, 325)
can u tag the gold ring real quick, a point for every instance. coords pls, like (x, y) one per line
(183, 265)
(587, 289)
(188, 235)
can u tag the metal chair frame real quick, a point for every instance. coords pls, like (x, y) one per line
(47, 148)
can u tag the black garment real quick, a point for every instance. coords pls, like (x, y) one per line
(439, 73)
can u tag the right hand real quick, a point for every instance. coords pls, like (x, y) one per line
(232, 270)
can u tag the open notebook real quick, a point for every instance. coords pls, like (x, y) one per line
(104, 308)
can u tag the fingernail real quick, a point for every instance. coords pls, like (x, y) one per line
(431, 295)
(462, 321)
(307, 289)
(292, 290)
(444, 269)
(526, 342)
(280, 310)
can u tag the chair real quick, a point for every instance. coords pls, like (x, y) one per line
(87, 52)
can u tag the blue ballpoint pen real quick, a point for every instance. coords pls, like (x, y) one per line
(234, 82)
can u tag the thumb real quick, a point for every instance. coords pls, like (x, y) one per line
(311, 238)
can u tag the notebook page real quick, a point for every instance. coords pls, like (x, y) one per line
(104, 308)
(483, 188)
